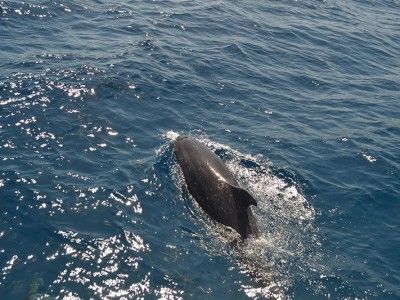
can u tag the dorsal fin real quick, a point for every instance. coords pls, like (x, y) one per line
(243, 197)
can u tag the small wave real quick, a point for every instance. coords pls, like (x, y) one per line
(171, 135)
(285, 218)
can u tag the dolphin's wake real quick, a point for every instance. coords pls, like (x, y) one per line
(289, 243)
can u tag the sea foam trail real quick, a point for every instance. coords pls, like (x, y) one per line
(288, 241)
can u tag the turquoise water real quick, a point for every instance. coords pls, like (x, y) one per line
(299, 98)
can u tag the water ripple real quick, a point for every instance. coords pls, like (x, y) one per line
(305, 93)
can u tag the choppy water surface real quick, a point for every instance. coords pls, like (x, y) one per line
(299, 98)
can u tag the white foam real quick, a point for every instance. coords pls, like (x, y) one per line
(171, 135)
(284, 216)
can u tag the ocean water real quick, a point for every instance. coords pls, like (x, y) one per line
(299, 98)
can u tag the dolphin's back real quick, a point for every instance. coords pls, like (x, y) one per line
(214, 187)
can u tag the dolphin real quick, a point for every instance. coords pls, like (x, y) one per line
(214, 187)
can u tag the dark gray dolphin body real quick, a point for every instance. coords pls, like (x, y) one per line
(214, 187)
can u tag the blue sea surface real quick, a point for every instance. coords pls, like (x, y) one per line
(301, 99)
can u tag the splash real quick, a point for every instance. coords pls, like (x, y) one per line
(288, 243)
(171, 135)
